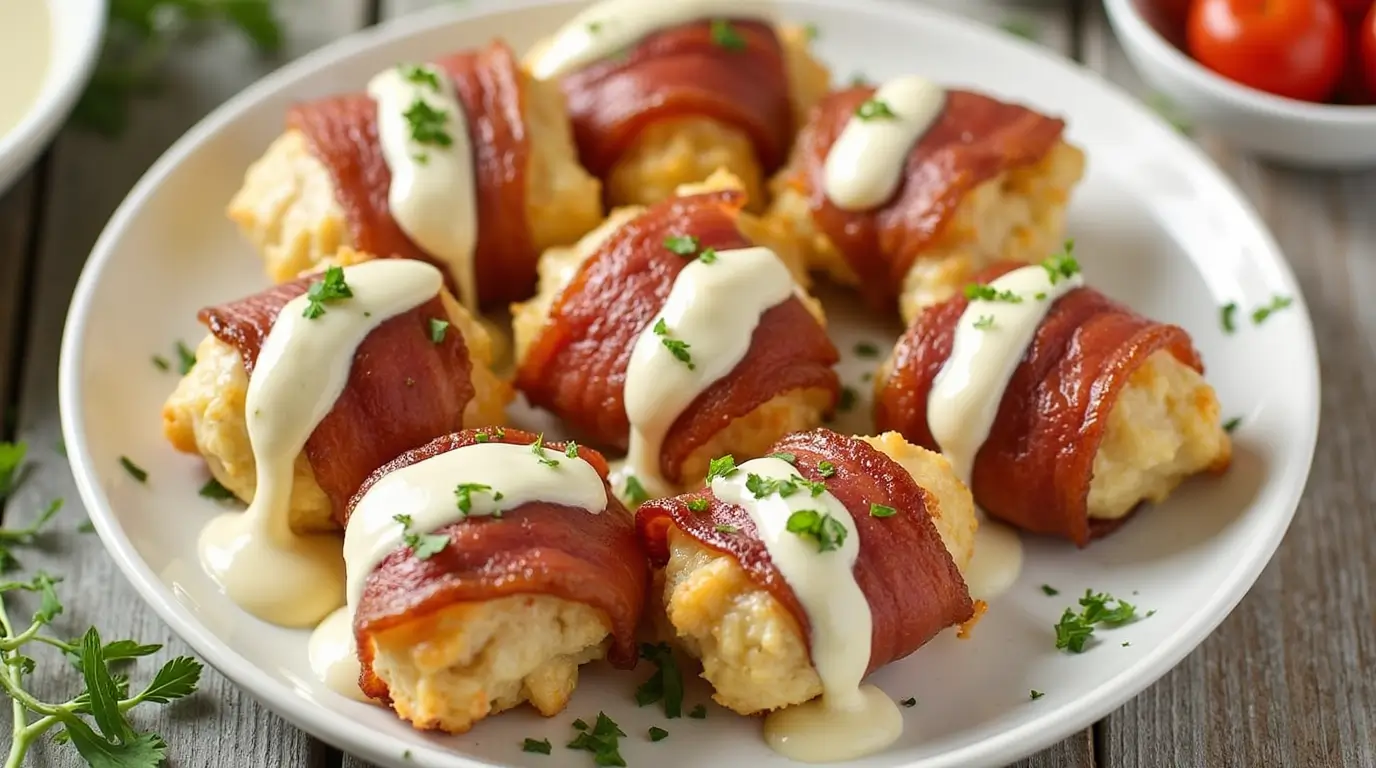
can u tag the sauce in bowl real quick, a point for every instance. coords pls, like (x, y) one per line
(25, 43)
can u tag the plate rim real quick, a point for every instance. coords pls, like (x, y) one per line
(1009, 744)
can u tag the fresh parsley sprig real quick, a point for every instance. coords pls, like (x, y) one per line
(423, 545)
(1074, 629)
(331, 289)
(828, 532)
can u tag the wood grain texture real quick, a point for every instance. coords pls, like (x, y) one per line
(1289, 679)
(87, 178)
(18, 214)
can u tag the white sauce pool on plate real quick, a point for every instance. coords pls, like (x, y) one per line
(714, 308)
(433, 196)
(848, 720)
(865, 166)
(301, 370)
(25, 43)
(991, 338)
(333, 655)
(610, 26)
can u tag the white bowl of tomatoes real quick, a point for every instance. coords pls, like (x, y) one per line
(1291, 80)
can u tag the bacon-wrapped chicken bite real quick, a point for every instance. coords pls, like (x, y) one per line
(1063, 408)
(667, 334)
(795, 575)
(467, 163)
(909, 189)
(661, 94)
(415, 376)
(483, 569)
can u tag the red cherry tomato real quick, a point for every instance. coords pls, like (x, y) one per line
(1293, 48)
(1366, 42)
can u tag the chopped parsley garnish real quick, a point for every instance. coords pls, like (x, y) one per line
(603, 740)
(828, 532)
(1035, 694)
(985, 292)
(437, 329)
(708, 256)
(766, 486)
(571, 449)
(724, 528)
(699, 712)
(428, 124)
(722, 466)
(1226, 315)
(984, 323)
(810, 31)
(134, 470)
(421, 158)
(1232, 424)
(541, 747)
(909, 702)
(1040, 295)
(847, 399)
(481, 437)
(213, 490)
(579, 725)
(161, 363)
(1278, 303)
(1072, 632)
(815, 488)
(1074, 629)
(420, 76)
(681, 245)
(594, 27)
(698, 506)
(499, 433)
(1050, 591)
(1126, 644)
(1169, 111)
(186, 359)
(463, 496)
(666, 684)
(1020, 28)
(423, 545)
(725, 35)
(327, 291)
(826, 468)
(875, 109)
(635, 492)
(866, 349)
(677, 347)
(1062, 266)
(882, 510)
(791, 458)
(657, 733)
(538, 448)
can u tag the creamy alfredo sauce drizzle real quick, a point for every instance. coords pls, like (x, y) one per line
(990, 340)
(301, 370)
(865, 165)
(25, 40)
(713, 308)
(848, 720)
(433, 194)
(426, 492)
(608, 27)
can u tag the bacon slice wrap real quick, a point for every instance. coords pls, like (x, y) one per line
(1034, 469)
(535, 548)
(342, 134)
(577, 366)
(912, 585)
(684, 72)
(973, 140)
(403, 389)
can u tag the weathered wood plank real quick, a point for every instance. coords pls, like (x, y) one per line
(1286, 680)
(17, 212)
(88, 178)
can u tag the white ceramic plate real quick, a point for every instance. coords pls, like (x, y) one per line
(75, 28)
(1156, 224)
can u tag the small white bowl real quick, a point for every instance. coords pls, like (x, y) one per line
(1294, 132)
(77, 28)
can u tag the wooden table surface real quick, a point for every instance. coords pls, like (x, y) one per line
(1289, 679)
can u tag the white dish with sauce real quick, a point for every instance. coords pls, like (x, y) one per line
(1156, 226)
(47, 51)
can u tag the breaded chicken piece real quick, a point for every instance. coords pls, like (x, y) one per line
(287, 206)
(1018, 215)
(450, 669)
(205, 415)
(752, 650)
(750, 435)
(682, 150)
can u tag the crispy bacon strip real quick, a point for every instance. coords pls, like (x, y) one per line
(912, 585)
(342, 134)
(975, 139)
(684, 71)
(577, 366)
(1035, 467)
(535, 548)
(403, 388)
